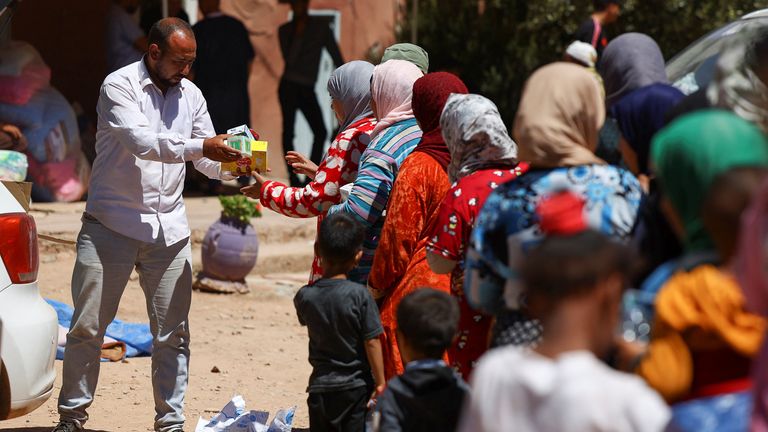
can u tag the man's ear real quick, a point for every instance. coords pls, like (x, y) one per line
(154, 52)
(358, 256)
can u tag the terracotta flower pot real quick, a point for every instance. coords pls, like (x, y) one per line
(230, 249)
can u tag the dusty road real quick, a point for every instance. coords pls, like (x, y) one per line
(254, 340)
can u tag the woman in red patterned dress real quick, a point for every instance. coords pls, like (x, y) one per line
(483, 156)
(349, 87)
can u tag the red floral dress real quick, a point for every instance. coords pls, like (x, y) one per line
(337, 169)
(455, 221)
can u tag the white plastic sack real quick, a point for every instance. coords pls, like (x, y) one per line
(234, 418)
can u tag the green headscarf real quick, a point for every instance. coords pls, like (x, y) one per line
(692, 151)
(408, 52)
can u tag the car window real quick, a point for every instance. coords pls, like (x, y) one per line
(694, 67)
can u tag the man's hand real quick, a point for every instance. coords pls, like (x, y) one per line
(301, 164)
(11, 130)
(217, 150)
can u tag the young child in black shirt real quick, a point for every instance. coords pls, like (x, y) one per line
(344, 327)
(429, 395)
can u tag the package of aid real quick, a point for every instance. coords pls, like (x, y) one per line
(254, 157)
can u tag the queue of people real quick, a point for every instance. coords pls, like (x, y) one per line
(531, 239)
(466, 278)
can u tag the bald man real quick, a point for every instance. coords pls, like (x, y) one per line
(151, 121)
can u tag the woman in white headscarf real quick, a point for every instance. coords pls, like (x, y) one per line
(483, 156)
(349, 87)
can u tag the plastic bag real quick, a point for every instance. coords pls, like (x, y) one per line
(234, 418)
(13, 166)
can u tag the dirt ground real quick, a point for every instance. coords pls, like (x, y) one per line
(254, 340)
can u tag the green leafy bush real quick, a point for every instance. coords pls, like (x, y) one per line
(496, 50)
(239, 208)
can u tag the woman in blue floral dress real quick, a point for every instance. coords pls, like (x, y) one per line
(556, 128)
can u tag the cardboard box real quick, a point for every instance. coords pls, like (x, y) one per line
(256, 161)
(22, 191)
(242, 130)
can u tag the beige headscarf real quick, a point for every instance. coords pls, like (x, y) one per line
(559, 117)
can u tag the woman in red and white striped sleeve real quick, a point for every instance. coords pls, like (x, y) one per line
(349, 87)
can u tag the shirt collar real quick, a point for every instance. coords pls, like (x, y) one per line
(145, 79)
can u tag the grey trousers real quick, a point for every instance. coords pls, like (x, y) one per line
(105, 260)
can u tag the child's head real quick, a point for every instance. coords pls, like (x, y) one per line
(427, 321)
(339, 244)
(586, 271)
(727, 198)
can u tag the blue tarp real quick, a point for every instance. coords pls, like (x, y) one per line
(137, 337)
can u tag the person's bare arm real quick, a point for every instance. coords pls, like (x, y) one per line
(439, 264)
(376, 361)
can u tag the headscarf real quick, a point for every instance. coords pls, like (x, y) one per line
(408, 52)
(736, 87)
(475, 135)
(559, 117)
(631, 61)
(392, 90)
(582, 52)
(430, 93)
(692, 151)
(641, 114)
(350, 84)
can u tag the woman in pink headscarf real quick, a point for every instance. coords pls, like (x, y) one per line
(392, 140)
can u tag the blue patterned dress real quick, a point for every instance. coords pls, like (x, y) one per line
(507, 228)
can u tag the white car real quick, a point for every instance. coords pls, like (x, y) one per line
(28, 325)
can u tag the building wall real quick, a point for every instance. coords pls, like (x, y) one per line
(69, 35)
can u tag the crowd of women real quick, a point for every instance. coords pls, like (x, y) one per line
(449, 201)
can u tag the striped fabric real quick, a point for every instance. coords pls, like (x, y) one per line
(367, 201)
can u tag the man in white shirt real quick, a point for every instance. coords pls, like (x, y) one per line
(151, 121)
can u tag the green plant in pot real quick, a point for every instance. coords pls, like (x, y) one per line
(230, 247)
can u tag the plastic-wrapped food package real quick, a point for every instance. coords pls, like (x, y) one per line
(14, 55)
(18, 90)
(13, 166)
(47, 110)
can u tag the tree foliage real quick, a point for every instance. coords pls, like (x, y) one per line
(496, 50)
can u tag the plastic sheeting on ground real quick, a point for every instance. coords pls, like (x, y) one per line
(234, 418)
(136, 336)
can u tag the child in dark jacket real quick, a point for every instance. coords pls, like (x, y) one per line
(429, 395)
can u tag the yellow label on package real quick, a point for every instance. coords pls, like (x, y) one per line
(257, 161)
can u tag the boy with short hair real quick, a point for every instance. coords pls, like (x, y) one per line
(574, 281)
(344, 327)
(428, 396)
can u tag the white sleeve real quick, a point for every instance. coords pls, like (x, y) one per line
(202, 127)
(120, 109)
(648, 411)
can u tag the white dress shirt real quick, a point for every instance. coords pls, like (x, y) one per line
(142, 141)
(514, 389)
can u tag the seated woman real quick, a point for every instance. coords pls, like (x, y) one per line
(349, 87)
(556, 130)
(709, 165)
